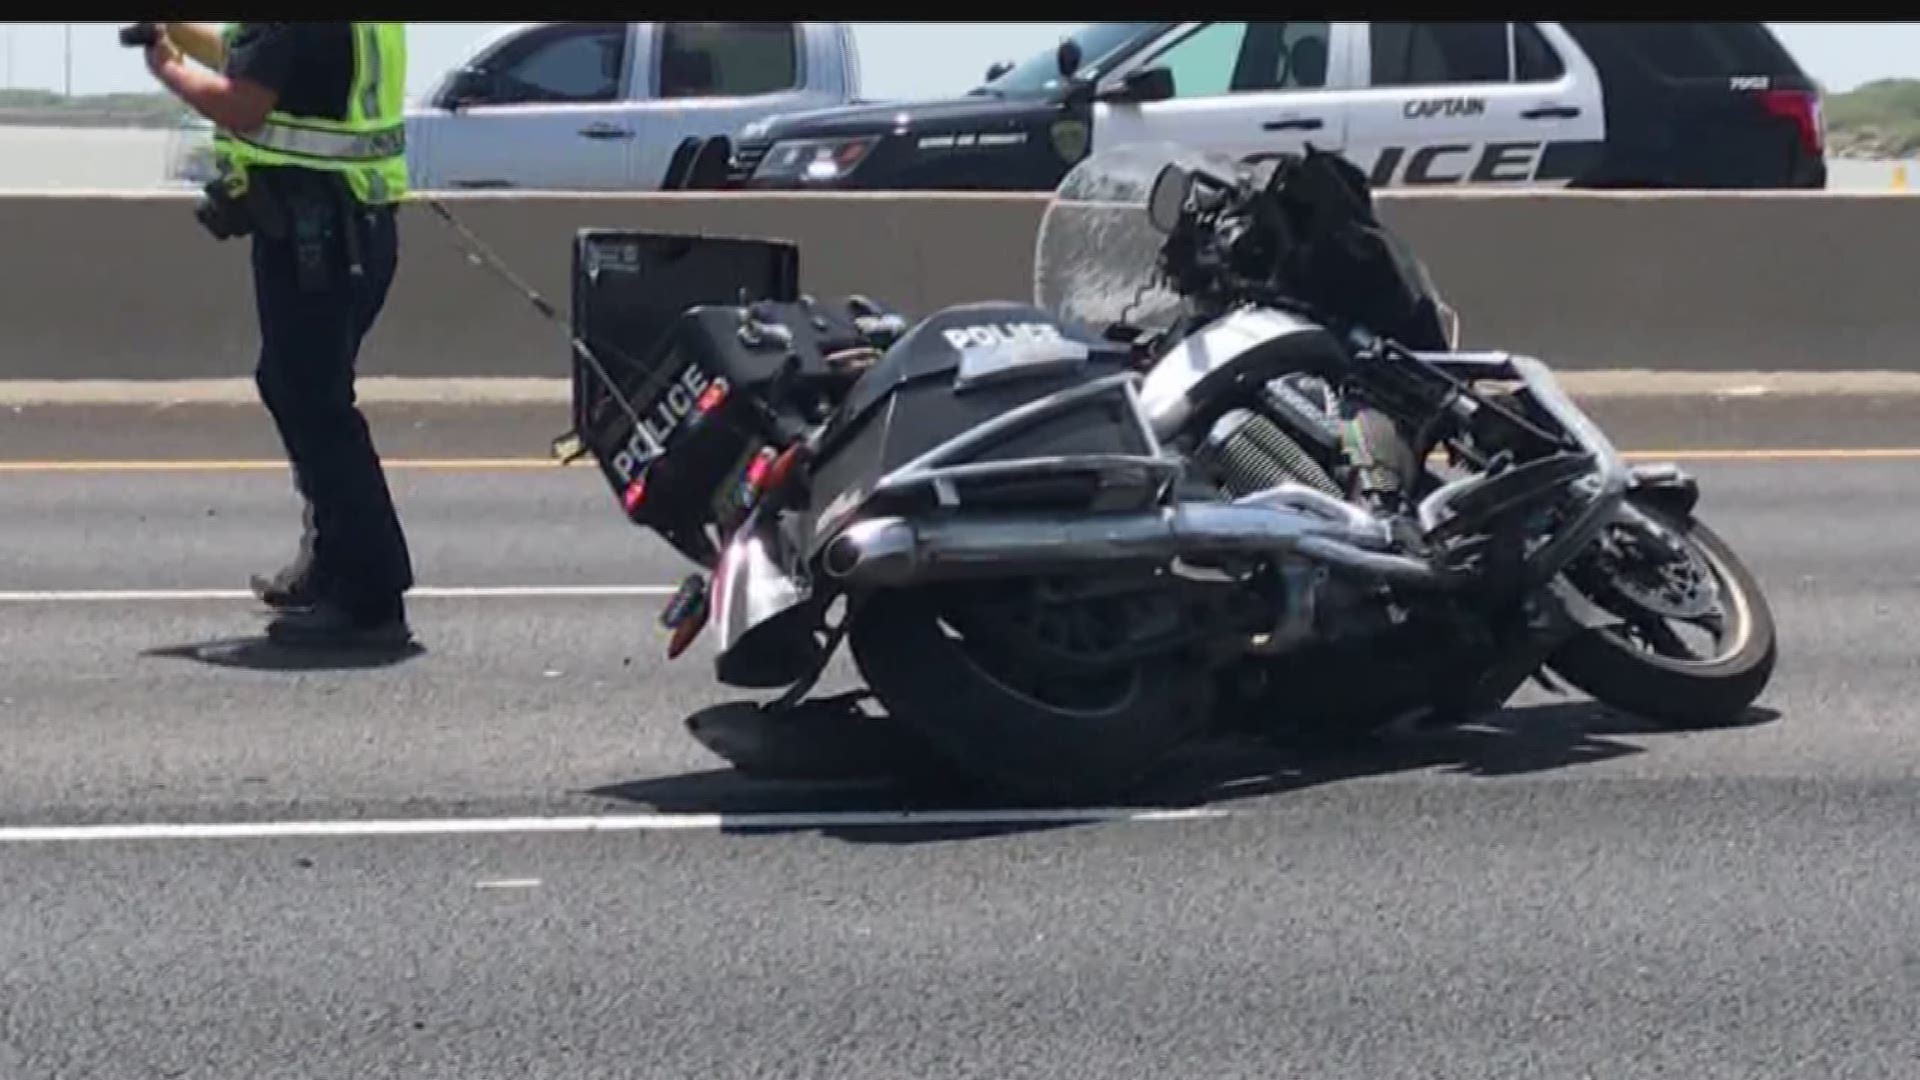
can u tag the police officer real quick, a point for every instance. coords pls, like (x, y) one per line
(310, 146)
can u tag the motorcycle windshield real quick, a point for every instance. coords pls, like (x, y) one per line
(1095, 260)
(1096, 256)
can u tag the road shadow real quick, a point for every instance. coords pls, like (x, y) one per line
(257, 653)
(1216, 773)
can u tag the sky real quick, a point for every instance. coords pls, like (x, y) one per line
(898, 60)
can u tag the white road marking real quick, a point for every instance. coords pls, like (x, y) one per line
(442, 592)
(270, 830)
(509, 883)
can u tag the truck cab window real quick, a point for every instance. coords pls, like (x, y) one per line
(1439, 53)
(571, 64)
(1239, 58)
(728, 59)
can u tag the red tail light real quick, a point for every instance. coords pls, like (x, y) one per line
(1803, 108)
(757, 469)
(636, 494)
(784, 465)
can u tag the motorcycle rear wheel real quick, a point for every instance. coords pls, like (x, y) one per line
(1632, 668)
(1007, 738)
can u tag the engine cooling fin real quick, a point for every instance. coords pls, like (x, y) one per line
(1251, 453)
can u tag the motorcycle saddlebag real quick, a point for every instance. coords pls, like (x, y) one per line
(632, 292)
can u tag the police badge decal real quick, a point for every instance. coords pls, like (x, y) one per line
(1070, 138)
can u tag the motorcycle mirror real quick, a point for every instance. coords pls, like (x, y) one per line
(1068, 57)
(1168, 197)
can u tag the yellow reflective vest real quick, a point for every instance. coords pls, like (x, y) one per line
(368, 148)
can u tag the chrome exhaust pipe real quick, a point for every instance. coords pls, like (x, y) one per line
(893, 551)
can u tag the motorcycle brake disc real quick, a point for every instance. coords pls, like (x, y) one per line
(1680, 586)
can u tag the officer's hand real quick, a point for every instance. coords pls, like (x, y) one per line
(161, 53)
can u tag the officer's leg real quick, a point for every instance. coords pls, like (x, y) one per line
(297, 584)
(310, 340)
(301, 582)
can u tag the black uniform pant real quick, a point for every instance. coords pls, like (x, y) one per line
(310, 335)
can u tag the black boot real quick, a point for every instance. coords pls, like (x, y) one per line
(330, 624)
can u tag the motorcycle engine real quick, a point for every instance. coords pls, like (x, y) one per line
(1248, 452)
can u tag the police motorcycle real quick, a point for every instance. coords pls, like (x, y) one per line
(1193, 484)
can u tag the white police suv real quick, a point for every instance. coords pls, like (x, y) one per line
(1603, 104)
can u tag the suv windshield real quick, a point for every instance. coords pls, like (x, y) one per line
(1042, 72)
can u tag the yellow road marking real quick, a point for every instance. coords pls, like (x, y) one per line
(1869, 453)
(189, 465)
(1863, 453)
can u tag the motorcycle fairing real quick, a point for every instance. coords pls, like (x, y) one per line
(914, 436)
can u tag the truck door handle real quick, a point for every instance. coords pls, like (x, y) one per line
(1551, 112)
(605, 131)
(1312, 124)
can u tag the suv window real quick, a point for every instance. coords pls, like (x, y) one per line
(728, 59)
(1444, 53)
(577, 62)
(1434, 54)
(1696, 50)
(1239, 58)
(1533, 57)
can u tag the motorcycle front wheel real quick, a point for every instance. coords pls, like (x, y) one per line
(1643, 665)
(1014, 726)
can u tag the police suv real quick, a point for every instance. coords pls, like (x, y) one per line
(1620, 105)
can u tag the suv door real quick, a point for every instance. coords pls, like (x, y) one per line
(1474, 103)
(713, 78)
(549, 110)
(1246, 89)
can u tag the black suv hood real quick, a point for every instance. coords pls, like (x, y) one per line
(963, 113)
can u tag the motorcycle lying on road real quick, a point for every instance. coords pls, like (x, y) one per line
(1228, 467)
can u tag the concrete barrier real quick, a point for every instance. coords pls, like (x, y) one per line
(128, 287)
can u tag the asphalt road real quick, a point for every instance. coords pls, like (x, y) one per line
(1561, 893)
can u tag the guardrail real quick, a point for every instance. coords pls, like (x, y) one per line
(129, 287)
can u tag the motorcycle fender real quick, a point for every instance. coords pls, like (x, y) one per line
(762, 612)
(1244, 343)
(1666, 487)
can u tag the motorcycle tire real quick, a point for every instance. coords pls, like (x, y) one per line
(1673, 692)
(995, 735)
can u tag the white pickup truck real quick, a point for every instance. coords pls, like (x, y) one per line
(583, 106)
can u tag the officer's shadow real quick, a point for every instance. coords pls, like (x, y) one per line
(257, 653)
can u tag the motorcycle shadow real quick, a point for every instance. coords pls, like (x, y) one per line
(1218, 772)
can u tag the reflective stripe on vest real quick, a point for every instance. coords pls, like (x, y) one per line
(368, 148)
(286, 137)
